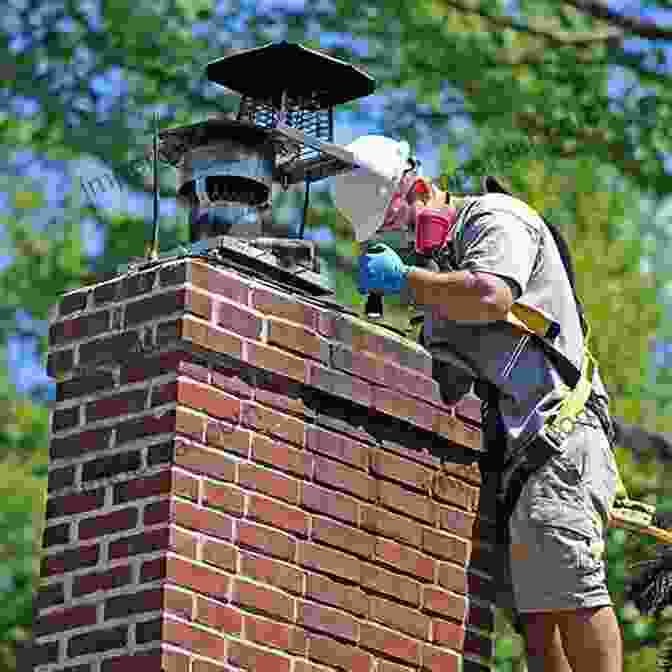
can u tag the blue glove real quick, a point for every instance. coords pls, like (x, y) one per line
(382, 271)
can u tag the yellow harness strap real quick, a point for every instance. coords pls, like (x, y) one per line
(574, 400)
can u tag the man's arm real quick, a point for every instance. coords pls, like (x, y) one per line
(462, 296)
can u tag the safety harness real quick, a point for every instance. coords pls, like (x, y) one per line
(577, 395)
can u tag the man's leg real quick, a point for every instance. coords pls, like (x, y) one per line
(545, 652)
(592, 639)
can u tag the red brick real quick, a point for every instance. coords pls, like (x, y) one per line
(271, 572)
(330, 561)
(239, 320)
(445, 603)
(469, 409)
(339, 384)
(338, 447)
(203, 520)
(65, 619)
(264, 420)
(447, 633)
(458, 432)
(206, 399)
(85, 326)
(404, 407)
(282, 394)
(285, 307)
(204, 580)
(152, 570)
(275, 635)
(139, 488)
(117, 521)
(281, 456)
(120, 404)
(164, 394)
(158, 512)
(455, 491)
(194, 371)
(218, 616)
(409, 503)
(456, 521)
(269, 482)
(259, 598)
(335, 654)
(212, 463)
(358, 364)
(329, 503)
(453, 577)
(219, 282)
(185, 485)
(436, 659)
(404, 559)
(167, 661)
(345, 538)
(147, 542)
(329, 621)
(341, 477)
(250, 657)
(219, 554)
(391, 644)
(183, 543)
(127, 605)
(276, 360)
(223, 497)
(394, 615)
(78, 444)
(70, 505)
(152, 367)
(225, 437)
(267, 540)
(194, 639)
(387, 524)
(387, 666)
(210, 337)
(162, 305)
(67, 561)
(445, 546)
(178, 602)
(297, 338)
(278, 515)
(233, 379)
(390, 583)
(398, 469)
(347, 598)
(207, 666)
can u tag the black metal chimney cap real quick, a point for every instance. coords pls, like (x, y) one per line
(263, 73)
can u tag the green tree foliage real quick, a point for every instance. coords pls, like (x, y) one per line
(571, 101)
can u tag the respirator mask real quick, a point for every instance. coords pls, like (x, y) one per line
(410, 210)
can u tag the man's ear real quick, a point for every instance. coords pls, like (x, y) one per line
(491, 185)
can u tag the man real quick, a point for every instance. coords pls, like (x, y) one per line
(503, 255)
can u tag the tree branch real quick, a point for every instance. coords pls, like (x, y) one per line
(558, 37)
(645, 28)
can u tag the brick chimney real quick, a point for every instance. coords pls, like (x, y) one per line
(243, 479)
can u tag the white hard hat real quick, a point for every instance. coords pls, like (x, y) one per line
(362, 195)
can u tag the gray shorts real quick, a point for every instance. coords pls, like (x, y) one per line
(558, 528)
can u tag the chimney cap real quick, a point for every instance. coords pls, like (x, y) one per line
(265, 73)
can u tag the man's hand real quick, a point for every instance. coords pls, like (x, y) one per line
(382, 271)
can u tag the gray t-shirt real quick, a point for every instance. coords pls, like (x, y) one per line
(500, 234)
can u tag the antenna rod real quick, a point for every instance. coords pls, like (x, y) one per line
(154, 250)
